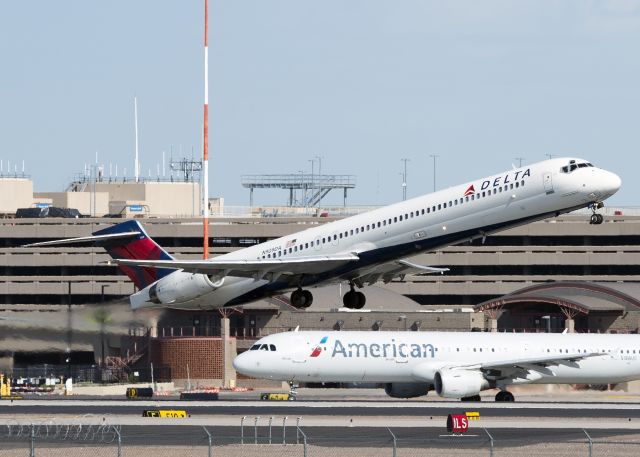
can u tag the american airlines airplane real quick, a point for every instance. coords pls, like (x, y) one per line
(454, 364)
(363, 249)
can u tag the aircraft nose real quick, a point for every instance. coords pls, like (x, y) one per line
(243, 364)
(611, 183)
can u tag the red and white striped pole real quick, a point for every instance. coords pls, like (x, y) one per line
(205, 144)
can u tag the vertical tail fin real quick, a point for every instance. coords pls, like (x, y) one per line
(136, 247)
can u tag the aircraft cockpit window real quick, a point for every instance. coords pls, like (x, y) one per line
(264, 347)
(255, 347)
(272, 347)
(582, 165)
(572, 166)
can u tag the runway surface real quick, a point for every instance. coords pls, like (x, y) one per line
(347, 436)
(331, 424)
(367, 409)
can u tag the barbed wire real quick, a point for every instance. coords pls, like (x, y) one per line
(82, 428)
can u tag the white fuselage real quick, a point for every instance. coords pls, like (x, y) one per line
(410, 357)
(470, 210)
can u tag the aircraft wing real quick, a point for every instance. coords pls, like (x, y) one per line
(527, 363)
(260, 269)
(386, 272)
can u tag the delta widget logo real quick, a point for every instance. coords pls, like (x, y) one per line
(318, 350)
(470, 191)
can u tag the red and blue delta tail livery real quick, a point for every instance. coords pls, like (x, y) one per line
(318, 349)
(138, 247)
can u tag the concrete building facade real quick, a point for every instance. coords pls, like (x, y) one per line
(37, 282)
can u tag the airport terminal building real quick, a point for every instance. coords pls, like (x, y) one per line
(66, 305)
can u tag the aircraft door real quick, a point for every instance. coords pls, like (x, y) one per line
(300, 352)
(548, 183)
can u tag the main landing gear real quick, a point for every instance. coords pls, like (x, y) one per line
(301, 298)
(504, 396)
(354, 299)
(293, 389)
(596, 218)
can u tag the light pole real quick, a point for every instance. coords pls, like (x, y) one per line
(519, 159)
(433, 156)
(319, 176)
(302, 190)
(103, 321)
(404, 180)
(313, 162)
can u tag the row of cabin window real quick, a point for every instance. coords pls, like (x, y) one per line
(272, 347)
(561, 351)
(434, 208)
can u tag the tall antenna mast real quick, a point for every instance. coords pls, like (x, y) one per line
(205, 143)
(136, 164)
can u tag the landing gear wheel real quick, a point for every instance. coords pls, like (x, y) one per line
(471, 398)
(504, 396)
(301, 298)
(350, 300)
(308, 296)
(596, 219)
(354, 300)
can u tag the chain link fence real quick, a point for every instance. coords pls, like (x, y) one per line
(282, 437)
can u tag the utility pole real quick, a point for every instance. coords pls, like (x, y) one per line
(519, 159)
(434, 170)
(136, 162)
(404, 180)
(69, 331)
(205, 140)
(319, 175)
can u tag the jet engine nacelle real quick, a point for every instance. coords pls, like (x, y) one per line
(180, 287)
(452, 383)
(406, 389)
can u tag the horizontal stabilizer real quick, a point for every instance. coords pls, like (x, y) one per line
(84, 239)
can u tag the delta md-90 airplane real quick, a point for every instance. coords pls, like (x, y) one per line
(362, 249)
(454, 364)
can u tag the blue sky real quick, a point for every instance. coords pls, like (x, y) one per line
(360, 83)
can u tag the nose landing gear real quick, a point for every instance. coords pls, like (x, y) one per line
(504, 396)
(596, 218)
